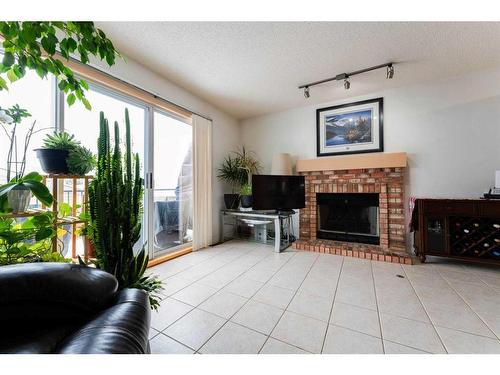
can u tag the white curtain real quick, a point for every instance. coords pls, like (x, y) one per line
(202, 182)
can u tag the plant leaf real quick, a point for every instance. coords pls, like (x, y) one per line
(40, 191)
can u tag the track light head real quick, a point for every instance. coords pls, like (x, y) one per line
(306, 92)
(390, 71)
(347, 84)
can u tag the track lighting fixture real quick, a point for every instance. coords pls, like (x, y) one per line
(346, 77)
(306, 92)
(347, 84)
(390, 71)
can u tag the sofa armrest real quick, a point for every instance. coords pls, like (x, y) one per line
(38, 290)
(121, 329)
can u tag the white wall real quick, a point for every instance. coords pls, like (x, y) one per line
(450, 130)
(225, 127)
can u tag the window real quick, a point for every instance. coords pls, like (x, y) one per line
(173, 189)
(162, 139)
(34, 95)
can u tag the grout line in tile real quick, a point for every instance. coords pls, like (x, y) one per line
(177, 341)
(425, 310)
(408, 346)
(376, 305)
(472, 309)
(241, 308)
(286, 307)
(333, 303)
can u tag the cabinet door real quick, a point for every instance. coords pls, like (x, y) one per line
(435, 240)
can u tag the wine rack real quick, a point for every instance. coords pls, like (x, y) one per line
(457, 228)
(475, 237)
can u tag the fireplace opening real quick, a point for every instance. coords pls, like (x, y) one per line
(348, 217)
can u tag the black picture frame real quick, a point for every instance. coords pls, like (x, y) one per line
(352, 148)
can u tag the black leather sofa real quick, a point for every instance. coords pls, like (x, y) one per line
(67, 308)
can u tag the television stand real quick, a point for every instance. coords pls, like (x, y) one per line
(268, 227)
(284, 212)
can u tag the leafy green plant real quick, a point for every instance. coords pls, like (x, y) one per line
(60, 141)
(248, 162)
(42, 46)
(246, 189)
(29, 241)
(231, 173)
(115, 207)
(33, 182)
(81, 161)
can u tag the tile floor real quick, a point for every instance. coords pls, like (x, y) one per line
(241, 297)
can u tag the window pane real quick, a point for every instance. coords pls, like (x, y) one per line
(35, 95)
(173, 191)
(84, 125)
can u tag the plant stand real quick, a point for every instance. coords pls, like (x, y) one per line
(73, 220)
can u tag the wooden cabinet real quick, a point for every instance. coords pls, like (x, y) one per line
(464, 229)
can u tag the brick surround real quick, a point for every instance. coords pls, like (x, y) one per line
(388, 183)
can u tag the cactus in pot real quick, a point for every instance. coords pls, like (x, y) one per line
(115, 208)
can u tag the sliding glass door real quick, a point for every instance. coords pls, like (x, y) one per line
(164, 146)
(172, 188)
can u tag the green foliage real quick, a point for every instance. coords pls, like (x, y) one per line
(246, 189)
(238, 167)
(29, 241)
(60, 141)
(81, 161)
(38, 45)
(248, 162)
(17, 113)
(31, 181)
(115, 207)
(231, 172)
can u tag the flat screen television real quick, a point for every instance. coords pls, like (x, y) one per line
(278, 192)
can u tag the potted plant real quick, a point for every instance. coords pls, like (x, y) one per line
(115, 213)
(249, 164)
(246, 196)
(55, 151)
(15, 195)
(80, 161)
(231, 173)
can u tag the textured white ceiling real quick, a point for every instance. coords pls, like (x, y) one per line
(249, 69)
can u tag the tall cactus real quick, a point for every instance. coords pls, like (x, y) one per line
(115, 207)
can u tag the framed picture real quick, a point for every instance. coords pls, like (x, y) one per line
(352, 128)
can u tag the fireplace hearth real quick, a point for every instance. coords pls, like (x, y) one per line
(348, 217)
(355, 207)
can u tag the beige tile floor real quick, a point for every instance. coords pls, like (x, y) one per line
(241, 297)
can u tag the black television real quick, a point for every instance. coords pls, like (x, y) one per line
(281, 193)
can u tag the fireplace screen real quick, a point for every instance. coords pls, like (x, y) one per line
(349, 217)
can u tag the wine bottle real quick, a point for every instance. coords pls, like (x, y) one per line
(496, 226)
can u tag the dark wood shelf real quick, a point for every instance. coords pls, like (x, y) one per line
(439, 227)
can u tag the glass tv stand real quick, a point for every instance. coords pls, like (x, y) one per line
(267, 227)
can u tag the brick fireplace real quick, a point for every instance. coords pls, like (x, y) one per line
(367, 176)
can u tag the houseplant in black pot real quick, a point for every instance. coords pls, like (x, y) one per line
(248, 163)
(231, 173)
(55, 152)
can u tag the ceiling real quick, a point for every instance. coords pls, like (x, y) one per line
(249, 69)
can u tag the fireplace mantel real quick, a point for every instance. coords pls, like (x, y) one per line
(362, 161)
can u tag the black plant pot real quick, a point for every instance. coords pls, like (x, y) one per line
(246, 201)
(53, 161)
(231, 201)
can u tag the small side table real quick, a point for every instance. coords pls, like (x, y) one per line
(282, 223)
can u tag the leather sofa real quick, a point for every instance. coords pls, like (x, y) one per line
(68, 308)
